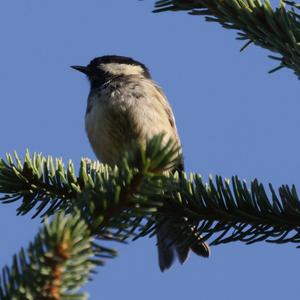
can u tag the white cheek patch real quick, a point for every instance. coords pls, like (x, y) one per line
(122, 69)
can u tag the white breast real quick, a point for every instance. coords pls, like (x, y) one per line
(96, 125)
(124, 113)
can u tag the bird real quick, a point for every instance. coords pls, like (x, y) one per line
(126, 105)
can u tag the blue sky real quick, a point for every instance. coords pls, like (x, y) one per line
(233, 119)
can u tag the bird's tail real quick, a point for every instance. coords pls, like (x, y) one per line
(168, 249)
(173, 240)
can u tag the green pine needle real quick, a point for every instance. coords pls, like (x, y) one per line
(56, 264)
(274, 29)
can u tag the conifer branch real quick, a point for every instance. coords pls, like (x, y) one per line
(58, 262)
(102, 193)
(136, 198)
(277, 30)
(223, 211)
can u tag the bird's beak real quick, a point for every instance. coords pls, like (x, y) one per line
(81, 69)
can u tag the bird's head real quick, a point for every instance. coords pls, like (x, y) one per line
(102, 69)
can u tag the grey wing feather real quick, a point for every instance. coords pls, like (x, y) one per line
(166, 253)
